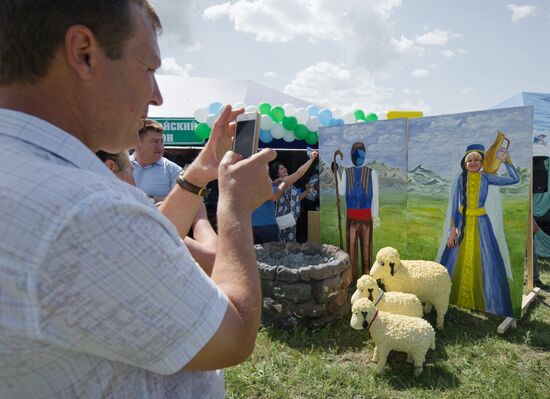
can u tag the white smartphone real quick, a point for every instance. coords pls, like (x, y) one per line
(247, 135)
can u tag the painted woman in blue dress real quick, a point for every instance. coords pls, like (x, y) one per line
(473, 255)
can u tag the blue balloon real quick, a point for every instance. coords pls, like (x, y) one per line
(339, 122)
(332, 122)
(313, 110)
(325, 116)
(265, 136)
(215, 108)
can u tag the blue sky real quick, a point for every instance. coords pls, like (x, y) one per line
(439, 56)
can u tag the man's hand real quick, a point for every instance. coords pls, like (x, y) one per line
(205, 167)
(245, 183)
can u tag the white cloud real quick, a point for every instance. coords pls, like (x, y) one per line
(170, 67)
(363, 29)
(335, 86)
(467, 90)
(405, 45)
(520, 12)
(270, 74)
(176, 19)
(436, 37)
(420, 73)
(448, 53)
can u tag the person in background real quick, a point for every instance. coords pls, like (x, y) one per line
(289, 201)
(154, 174)
(472, 255)
(202, 245)
(537, 282)
(264, 225)
(119, 164)
(99, 297)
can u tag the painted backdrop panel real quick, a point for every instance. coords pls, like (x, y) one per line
(487, 262)
(385, 147)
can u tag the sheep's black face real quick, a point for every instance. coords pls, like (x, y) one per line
(392, 271)
(370, 293)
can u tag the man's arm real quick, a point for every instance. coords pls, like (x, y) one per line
(243, 184)
(203, 244)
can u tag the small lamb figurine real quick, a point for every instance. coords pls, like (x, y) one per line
(392, 302)
(429, 281)
(411, 335)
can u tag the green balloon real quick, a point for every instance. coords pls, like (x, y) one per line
(312, 138)
(202, 131)
(277, 114)
(371, 117)
(264, 108)
(301, 131)
(359, 115)
(290, 122)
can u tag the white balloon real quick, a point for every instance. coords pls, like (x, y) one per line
(266, 123)
(251, 108)
(313, 123)
(211, 119)
(349, 118)
(289, 136)
(278, 131)
(290, 109)
(239, 105)
(337, 114)
(201, 115)
(301, 115)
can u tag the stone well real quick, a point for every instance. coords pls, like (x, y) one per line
(303, 284)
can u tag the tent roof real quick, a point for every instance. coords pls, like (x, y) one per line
(184, 95)
(541, 118)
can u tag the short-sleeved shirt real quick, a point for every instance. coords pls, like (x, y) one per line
(156, 179)
(264, 215)
(99, 298)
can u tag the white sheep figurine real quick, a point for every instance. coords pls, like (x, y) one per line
(392, 302)
(429, 281)
(411, 335)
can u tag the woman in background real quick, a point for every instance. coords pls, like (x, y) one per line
(289, 201)
(472, 253)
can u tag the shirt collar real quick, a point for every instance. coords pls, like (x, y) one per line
(50, 138)
(135, 162)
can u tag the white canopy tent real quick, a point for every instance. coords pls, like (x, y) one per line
(184, 95)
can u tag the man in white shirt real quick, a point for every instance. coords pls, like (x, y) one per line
(154, 174)
(99, 298)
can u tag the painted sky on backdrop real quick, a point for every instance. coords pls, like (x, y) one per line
(439, 141)
(439, 56)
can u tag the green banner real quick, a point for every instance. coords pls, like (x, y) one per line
(179, 131)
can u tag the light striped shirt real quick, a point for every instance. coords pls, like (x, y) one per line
(98, 296)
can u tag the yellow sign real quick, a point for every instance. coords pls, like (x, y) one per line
(404, 114)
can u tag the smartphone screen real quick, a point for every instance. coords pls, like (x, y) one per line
(244, 138)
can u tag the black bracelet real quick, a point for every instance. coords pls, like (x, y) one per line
(200, 191)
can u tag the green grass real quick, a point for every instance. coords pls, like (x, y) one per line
(471, 361)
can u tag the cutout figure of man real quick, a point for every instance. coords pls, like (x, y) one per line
(359, 183)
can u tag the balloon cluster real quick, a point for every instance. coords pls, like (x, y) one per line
(284, 122)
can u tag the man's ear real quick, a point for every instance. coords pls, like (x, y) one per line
(82, 50)
(111, 165)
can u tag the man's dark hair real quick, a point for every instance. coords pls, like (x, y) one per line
(103, 155)
(31, 31)
(150, 125)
